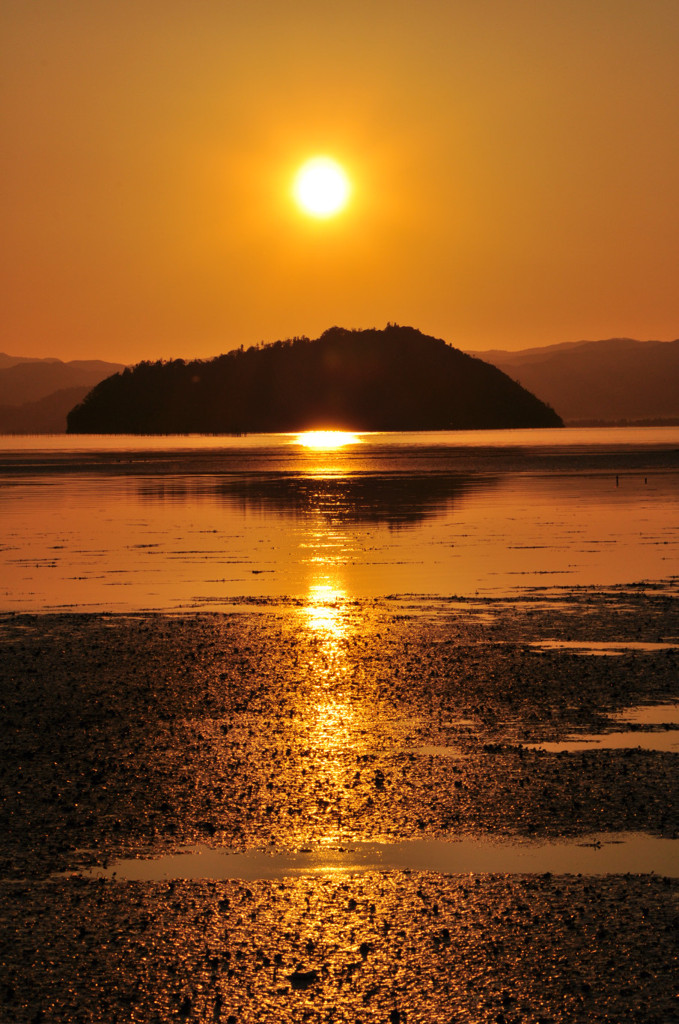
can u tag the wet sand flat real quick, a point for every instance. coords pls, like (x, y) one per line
(285, 726)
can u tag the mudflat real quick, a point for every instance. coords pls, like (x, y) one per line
(290, 726)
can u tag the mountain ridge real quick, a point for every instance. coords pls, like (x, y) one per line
(612, 380)
(37, 394)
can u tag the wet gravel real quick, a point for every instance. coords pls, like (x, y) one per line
(286, 724)
(391, 948)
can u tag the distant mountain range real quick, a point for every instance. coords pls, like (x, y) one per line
(589, 382)
(37, 394)
(393, 379)
(612, 381)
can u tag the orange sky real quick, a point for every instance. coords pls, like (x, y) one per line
(515, 168)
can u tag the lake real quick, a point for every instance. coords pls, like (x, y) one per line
(196, 522)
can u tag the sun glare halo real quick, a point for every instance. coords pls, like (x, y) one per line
(321, 187)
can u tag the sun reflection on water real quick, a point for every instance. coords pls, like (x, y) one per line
(325, 616)
(327, 439)
(332, 718)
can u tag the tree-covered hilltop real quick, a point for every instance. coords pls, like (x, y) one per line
(394, 379)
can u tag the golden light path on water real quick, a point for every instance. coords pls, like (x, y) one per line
(334, 720)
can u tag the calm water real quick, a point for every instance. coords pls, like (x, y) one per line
(601, 854)
(111, 523)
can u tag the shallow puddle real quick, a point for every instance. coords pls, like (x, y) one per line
(651, 714)
(598, 855)
(601, 647)
(665, 742)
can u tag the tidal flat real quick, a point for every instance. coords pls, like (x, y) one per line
(282, 727)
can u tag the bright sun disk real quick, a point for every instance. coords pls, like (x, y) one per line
(321, 187)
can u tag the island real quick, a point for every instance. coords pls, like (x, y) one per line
(362, 380)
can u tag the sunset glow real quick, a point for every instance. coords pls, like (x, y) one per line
(496, 175)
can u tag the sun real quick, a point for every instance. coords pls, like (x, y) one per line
(321, 187)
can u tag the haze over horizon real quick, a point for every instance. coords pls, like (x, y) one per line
(513, 173)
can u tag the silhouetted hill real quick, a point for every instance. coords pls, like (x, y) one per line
(37, 394)
(394, 379)
(615, 380)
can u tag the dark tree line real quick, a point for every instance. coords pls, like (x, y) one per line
(393, 379)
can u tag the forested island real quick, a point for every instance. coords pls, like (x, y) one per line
(391, 379)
